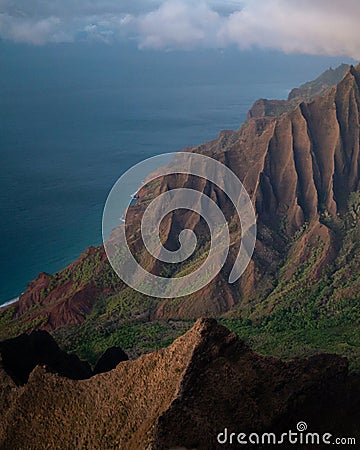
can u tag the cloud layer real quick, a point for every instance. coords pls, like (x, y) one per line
(327, 27)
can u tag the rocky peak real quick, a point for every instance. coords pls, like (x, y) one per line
(182, 397)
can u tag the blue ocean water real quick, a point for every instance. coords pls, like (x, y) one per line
(74, 117)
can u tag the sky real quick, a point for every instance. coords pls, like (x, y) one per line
(316, 27)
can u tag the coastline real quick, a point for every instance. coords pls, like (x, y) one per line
(10, 302)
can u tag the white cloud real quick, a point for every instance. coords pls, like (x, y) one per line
(179, 24)
(315, 27)
(95, 32)
(294, 26)
(32, 31)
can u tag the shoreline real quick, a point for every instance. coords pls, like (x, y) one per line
(10, 302)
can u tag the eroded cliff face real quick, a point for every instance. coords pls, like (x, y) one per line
(181, 397)
(298, 167)
(304, 162)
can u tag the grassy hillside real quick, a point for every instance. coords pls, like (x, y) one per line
(310, 317)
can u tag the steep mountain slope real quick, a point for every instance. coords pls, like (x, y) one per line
(183, 397)
(301, 168)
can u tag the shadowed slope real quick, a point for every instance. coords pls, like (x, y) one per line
(21, 354)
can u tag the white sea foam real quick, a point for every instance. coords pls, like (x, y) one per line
(10, 302)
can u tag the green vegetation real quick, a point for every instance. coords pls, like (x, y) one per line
(302, 315)
(303, 330)
(135, 337)
(11, 326)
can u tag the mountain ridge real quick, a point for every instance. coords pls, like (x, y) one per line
(300, 169)
(185, 394)
(305, 93)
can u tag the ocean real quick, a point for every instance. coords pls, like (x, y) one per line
(74, 117)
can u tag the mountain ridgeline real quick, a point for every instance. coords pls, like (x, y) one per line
(299, 161)
(181, 396)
